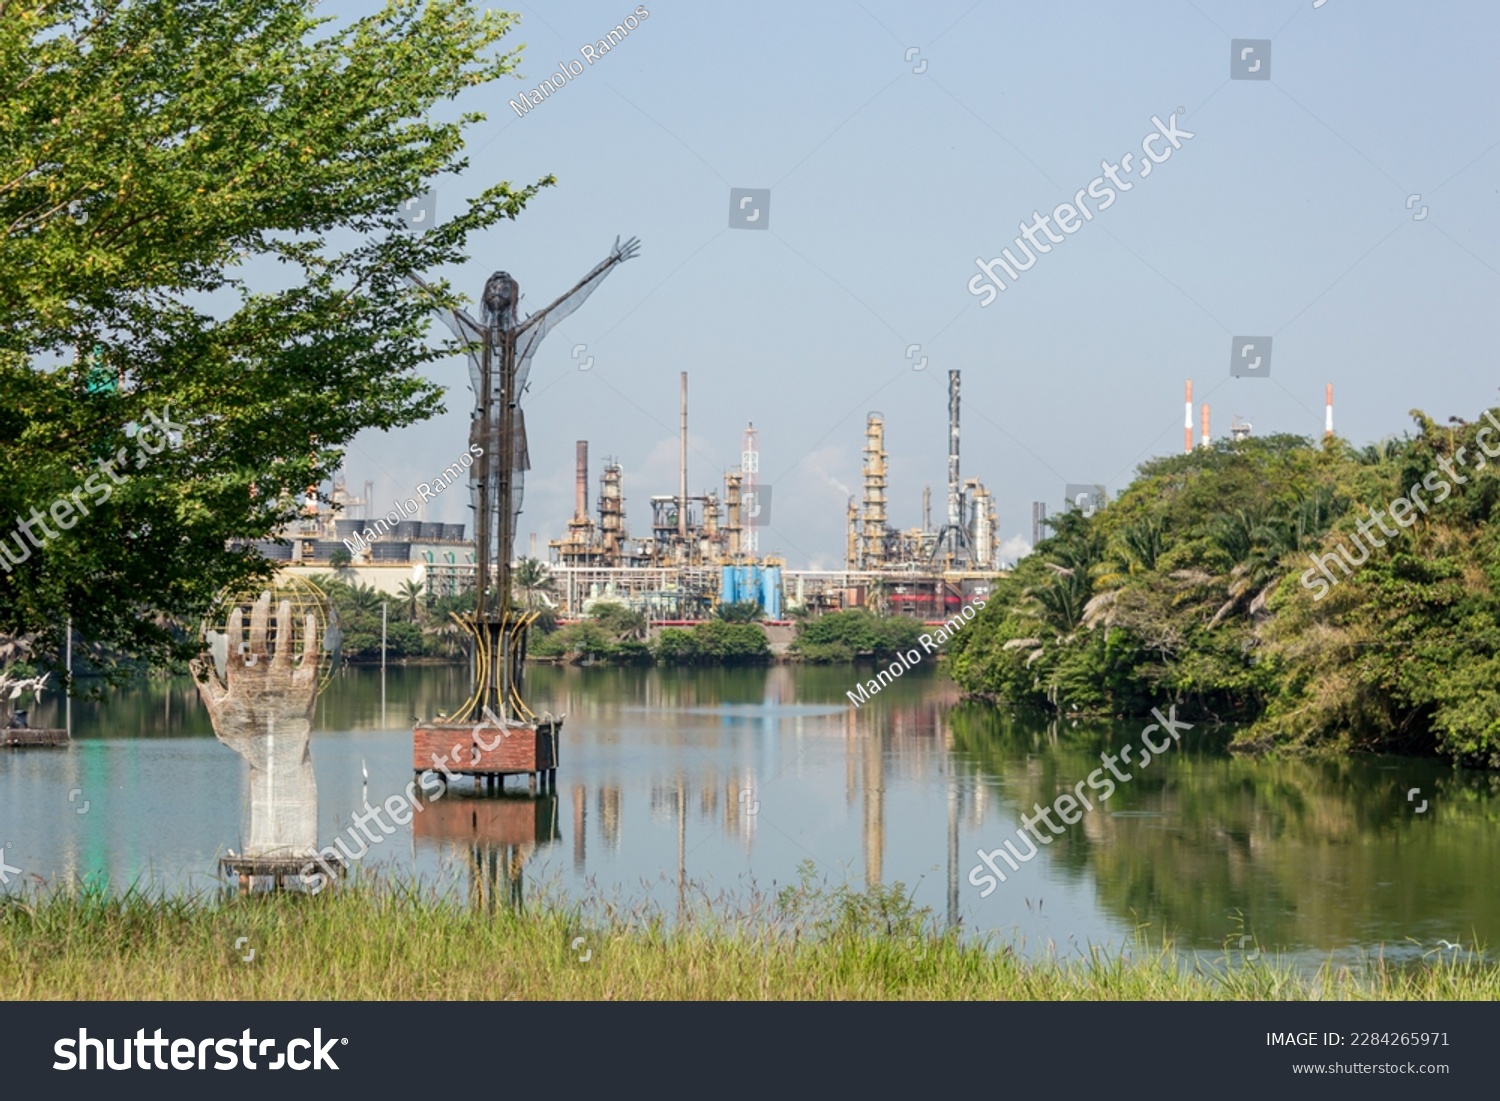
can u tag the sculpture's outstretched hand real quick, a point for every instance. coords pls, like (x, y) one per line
(263, 695)
(262, 709)
(626, 251)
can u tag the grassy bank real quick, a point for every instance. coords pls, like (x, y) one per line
(380, 940)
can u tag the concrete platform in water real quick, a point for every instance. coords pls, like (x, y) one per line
(277, 868)
(489, 752)
(22, 737)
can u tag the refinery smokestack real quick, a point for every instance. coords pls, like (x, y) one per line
(581, 483)
(1187, 420)
(682, 468)
(955, 519)
(1328, 409)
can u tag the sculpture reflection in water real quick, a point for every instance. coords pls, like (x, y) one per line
(494, 836)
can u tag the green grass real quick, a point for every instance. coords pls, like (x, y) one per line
(383, 939)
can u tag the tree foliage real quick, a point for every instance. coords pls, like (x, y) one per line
(843, 636)
(1200, 585)
(714, 642)
(611, 633)
(151, 154)
(741, 611)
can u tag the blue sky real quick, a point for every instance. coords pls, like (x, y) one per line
(1285, 215)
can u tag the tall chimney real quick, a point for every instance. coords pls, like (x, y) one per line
(955, 520)
(1328, 409)
(750, 491)
(1187, 420)
(682, 503)
(1205, 424)
(581, 483)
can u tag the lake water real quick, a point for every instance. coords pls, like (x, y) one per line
(732, 779)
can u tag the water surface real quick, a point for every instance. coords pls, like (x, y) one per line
(734, 778)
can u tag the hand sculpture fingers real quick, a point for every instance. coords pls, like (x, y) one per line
(234, 629)
(260, 621)
(286, 637)
(211, 690)
(307, 668)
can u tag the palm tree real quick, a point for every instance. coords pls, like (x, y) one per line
(743, 611)
(535, 583)
(1259, 545)
(1382, 451)
(1143, 542)
(621, 621)
(414, 596)
(365, 598)
(1135, 551)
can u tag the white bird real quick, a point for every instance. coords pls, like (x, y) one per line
(1448, 945)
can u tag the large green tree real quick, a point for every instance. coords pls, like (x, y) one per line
(151, 153)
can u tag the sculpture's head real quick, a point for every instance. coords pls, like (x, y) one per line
(501, 293)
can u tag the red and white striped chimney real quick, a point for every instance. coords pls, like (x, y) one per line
(1187, 420)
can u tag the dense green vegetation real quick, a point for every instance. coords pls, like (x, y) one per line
(415, 626)
(611, 633)
(807, 942)
(844, 636)
(614, 634)
(716, 642)
(159, 159)
(1198, 586)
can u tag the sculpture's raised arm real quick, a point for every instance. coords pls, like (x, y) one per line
(461, 324)
(543, 320)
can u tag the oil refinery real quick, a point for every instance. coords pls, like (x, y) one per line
(697, 551)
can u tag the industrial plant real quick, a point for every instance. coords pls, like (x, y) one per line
(697, 551)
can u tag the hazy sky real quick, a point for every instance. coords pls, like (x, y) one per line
(1287, 214)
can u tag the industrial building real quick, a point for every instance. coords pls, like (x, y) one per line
(704, 549)
(966, 541)
(699, 550)
(436, 555)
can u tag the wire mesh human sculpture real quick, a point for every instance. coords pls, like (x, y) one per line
(500, 347)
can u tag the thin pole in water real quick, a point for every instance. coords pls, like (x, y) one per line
(68, 683)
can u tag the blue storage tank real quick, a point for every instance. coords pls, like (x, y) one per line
(747, 584)
(770, 592)
(760, 585)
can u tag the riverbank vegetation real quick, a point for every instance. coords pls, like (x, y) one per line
(380, 940)
(418, 626)
(1202, 585)
(857, 633)
(616, 635)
